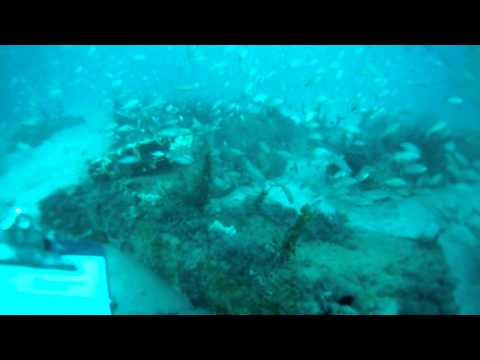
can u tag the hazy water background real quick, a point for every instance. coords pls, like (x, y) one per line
(417, 79)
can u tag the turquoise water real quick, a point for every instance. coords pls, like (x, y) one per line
(411, 78)
(263, 179)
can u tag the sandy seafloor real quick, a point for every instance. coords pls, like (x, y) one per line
(60, 161)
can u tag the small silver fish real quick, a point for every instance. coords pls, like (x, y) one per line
(391, 129)
(410, 147)
(436, 180)
(316, 137)
(260, 98)
(454, 100)
(363, 174)
(438, 127)
(128, 160)
(158, 153)
(125, 128)
(405, 156)
(182, 159)
(416, 169)
(396, 183)
(131, 104)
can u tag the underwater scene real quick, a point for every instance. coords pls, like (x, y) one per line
(240, 179)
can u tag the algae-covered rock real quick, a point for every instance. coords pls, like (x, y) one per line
(237, 273)
(140, 158)
(277, 233)
(377, 270)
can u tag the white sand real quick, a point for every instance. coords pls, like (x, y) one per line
(137, 290)
(59, 162)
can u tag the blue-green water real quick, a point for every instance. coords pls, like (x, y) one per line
(263, 179)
